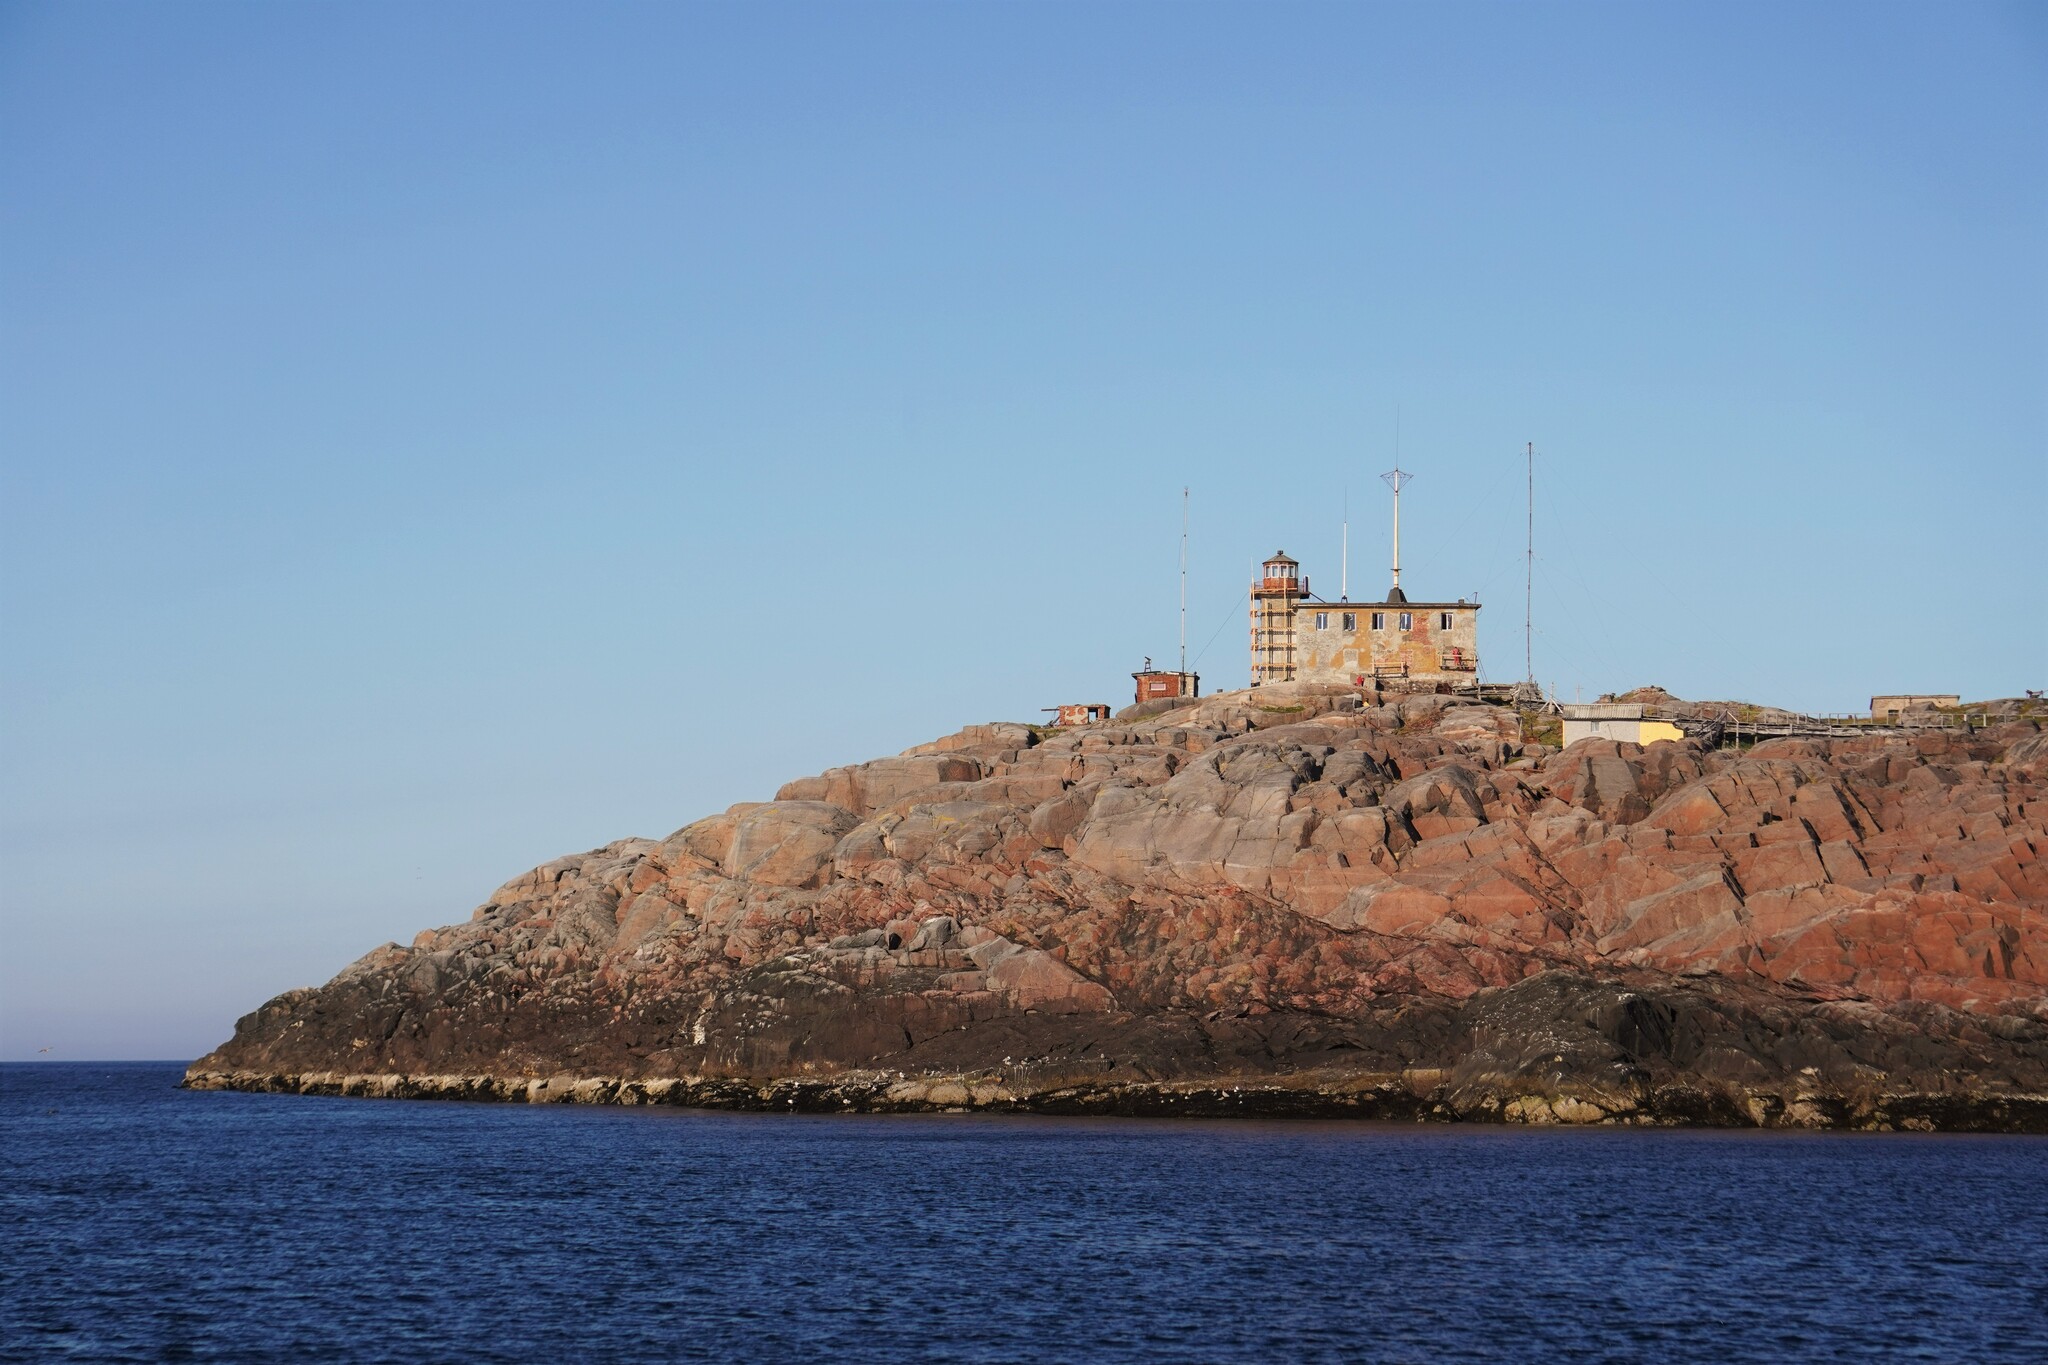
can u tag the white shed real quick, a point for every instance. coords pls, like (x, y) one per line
(1620, 720)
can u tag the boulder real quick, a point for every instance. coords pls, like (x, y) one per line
(786, 843)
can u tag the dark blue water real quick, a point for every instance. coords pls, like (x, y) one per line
(138, 1222)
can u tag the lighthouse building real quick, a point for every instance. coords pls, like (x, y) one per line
(1298, 637)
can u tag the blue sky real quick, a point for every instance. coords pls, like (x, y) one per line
(437, 438)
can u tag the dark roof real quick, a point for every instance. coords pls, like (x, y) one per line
(1321, 603)
(1280, 557)
(1396, 595)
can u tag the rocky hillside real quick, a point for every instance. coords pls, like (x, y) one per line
(1304, 900)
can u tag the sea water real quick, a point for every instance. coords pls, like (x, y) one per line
(141, 1222)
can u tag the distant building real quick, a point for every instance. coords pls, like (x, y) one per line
(1160, 684)
(1619, 720)
(1080, 713)
(1297, 637)
(1888, 708)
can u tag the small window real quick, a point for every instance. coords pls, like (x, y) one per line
(1322, 620)
(1407, 621)
(1443, 621)
(1379, 620)
(1351, 620)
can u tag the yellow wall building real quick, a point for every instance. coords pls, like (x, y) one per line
(1620, 720)
(1297, 637)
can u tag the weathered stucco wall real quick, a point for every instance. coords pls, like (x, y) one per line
(1331, 653)
(1887, 707)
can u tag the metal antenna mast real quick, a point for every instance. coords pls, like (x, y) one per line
(1344, 571)
(1529, 579)
(1395, 477)
(1183, 579)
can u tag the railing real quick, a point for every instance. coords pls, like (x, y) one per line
(1732, 727)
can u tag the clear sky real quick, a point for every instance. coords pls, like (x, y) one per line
(441, 437)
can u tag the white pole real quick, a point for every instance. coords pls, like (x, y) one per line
(1344, 570)
(1529, 579)
(1395, 477)
(1183, 581)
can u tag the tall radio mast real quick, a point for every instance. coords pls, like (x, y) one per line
(1529, 579)
(1183, 579)
(1344, 562)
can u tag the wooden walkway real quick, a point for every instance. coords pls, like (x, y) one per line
(1731, 730)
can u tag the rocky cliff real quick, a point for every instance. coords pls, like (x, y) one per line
(1304, 900)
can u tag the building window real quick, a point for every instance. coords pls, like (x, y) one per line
(1322, 620)
(1351, 620)
(1407, 621)
(1443, 620)
(1379, 620)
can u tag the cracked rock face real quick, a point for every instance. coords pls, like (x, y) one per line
(1299, 883)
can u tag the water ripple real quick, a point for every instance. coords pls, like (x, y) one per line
(139, 1222)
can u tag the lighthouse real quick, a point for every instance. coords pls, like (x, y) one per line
(1298, 637)
(1275, 595)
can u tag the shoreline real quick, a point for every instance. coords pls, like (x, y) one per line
(1387, 1098)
